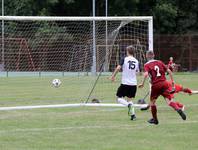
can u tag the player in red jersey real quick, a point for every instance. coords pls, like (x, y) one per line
(179, 88)
(171, 64)
(156, 70)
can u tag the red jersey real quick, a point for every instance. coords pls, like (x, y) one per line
(156, 70)
(170, 63)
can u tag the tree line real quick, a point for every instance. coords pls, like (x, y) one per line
(170, 16)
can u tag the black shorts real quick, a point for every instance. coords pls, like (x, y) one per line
(126, 90)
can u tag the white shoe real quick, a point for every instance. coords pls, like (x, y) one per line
(183, 108)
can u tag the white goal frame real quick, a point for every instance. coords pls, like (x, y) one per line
(55, 18)
(69, 105)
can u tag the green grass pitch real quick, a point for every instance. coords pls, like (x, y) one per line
(93, 128)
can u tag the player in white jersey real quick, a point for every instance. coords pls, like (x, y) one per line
(128, 87)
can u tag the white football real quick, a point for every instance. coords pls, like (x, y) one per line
(56, 82)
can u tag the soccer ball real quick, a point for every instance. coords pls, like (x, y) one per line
(56, 82)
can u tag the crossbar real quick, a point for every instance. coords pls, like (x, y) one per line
(56, 18)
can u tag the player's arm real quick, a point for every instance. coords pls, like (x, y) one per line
(138, 69)
(141, 85)
(117, 69)
(146, 74)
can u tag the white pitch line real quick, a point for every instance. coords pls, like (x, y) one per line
(123, 127)
(181, 122)
(187, 105)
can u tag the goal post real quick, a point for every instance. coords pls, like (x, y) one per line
(150, 30)
(77, 48)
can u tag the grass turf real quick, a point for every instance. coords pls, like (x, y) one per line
(90, 128)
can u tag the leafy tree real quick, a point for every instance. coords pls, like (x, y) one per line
(165, 14)
(170, 16)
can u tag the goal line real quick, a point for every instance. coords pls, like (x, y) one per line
(69, 105)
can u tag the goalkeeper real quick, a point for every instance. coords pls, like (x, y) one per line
(128, 87)
(179, 88)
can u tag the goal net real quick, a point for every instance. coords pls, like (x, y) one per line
(81, 51)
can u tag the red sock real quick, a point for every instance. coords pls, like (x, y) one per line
(174, 105)
(179, 105)
(187, 90)
(154, 111)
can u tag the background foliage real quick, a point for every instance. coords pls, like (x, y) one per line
(170, 16)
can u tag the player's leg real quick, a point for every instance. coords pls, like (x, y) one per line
(170, 96)
(130, 93)
(153, 97)
(175, 106)
(131, 110)
(171, 103)
(129, 104)
(194, 92)
(143, 100)
(120, 95)
(154, 119)
(189, 91)
(180, 105)
(180, 88)
(122, 101)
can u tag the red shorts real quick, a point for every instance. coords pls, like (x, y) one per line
(163, 89)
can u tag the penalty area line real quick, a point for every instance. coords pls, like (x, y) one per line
(94, 127)
(69, 128)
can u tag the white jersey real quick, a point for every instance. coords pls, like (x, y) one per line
(130, 66)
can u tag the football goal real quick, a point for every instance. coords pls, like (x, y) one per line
(81, 51)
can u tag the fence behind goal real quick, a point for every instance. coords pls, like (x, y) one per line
(81, 51)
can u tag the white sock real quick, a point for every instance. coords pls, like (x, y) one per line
(122, 101)
(133, 110)
(194, 92)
